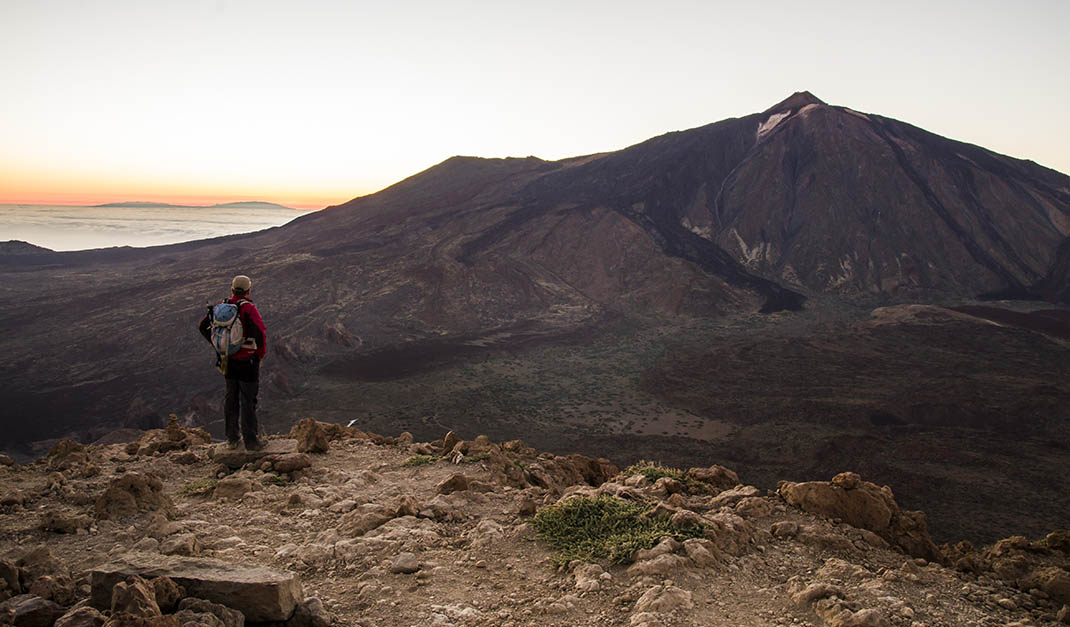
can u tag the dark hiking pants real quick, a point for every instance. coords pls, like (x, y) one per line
(243, 383)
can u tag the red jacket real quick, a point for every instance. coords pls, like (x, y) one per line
(252, 325)
(254, 328)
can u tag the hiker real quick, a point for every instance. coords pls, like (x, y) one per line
(239, 359)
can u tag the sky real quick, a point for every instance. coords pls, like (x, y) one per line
(313, 103)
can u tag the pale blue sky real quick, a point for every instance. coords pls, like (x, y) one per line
(315, 102)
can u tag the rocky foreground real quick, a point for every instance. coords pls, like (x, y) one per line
(332, 526)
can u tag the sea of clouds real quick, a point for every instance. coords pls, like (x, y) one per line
(78, 228)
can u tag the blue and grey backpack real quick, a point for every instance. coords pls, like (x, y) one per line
(228, 335)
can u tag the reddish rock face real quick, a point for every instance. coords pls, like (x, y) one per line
(864, 505)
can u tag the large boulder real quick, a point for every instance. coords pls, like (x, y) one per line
(130, 494)
(311, 436)
(867, 506)
(260, 594)
(67, 454)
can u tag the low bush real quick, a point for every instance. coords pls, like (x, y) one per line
(603, 527)
(654, 471)
(419, 460)
(199, 487)
(475, 457)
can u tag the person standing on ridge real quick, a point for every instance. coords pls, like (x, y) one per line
(241, 367)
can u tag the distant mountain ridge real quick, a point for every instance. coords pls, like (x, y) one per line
(250, 204)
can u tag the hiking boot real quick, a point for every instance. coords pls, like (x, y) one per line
(255, 445)
(232, 444)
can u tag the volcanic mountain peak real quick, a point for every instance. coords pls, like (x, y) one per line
(796, 101)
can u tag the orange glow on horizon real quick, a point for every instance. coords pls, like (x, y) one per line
(77, 199)
(36, 184)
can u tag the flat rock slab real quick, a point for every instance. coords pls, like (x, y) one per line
(238, 457)
(261, 594)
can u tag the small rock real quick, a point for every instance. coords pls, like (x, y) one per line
(189, 618)
(135, 596)
(62, 522)
(588, 577)
(662, 565)
(869, 618)
(665, 486)
(6, 460)
(319, 615)
(229, 617)
(449, 442)
(10, 574)
(181, 544)
(526, 507)
(456, 482)
(185, 458)
(13, 498)
(58, 588)
(664, 599)
(405, 563)
(717, 477)
(84, 616)
(39, 562)
(754, 507)
(32, 611)
(1007, 604)
(729, 498)
(290, 462)
(147, 544)
(784, 529)
(232, 487)
(814, 592)
(131, 493)
(168, 593)
(701, 552)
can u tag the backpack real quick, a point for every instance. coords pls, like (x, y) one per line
(228, 334)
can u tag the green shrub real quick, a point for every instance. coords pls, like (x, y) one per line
(419, 460)
(282, 482)
(654, 471)
(590, 529)
(199, 487)
(478, 457)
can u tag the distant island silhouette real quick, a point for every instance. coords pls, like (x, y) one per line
(248, 204)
